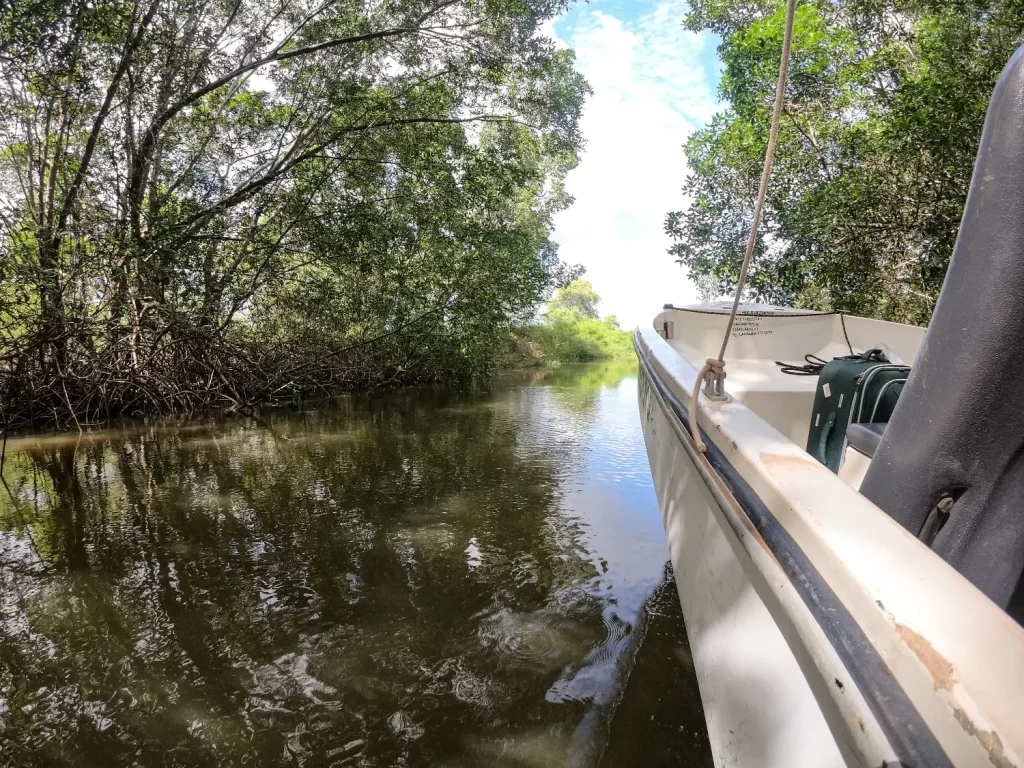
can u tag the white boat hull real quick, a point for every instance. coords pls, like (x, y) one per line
(759, 708)
(822, 632)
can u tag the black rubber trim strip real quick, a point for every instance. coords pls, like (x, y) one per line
(914, 743)
(752, 312)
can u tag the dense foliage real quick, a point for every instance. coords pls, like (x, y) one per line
(571, 331)
(224, 202)
(883, 113)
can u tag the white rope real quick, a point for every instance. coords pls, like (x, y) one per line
(715, 366)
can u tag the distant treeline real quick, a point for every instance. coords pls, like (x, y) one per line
(219, 204)
(880, 126)
(569, 331)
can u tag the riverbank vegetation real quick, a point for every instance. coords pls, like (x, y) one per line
(221, 204)
(570, 330)
(880, 127)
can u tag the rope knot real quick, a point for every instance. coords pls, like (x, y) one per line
(715, 365)
(713, 370)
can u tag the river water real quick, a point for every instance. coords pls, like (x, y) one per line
(422, 578)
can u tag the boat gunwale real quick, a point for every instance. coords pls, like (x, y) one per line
(745, 311)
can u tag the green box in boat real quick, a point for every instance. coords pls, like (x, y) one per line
(859, 389)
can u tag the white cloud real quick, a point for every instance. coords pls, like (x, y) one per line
(650, 92)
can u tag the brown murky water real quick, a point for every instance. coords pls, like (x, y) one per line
(424, 578)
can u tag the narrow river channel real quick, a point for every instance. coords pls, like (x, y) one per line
(421, 578)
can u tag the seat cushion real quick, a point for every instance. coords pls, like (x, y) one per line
(865, 437)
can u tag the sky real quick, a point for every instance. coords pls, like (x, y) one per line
(654, 83)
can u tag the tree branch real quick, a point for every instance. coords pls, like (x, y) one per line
(97, 126)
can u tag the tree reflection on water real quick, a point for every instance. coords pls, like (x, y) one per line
(382, 581)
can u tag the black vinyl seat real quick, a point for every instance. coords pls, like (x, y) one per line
(954, 447)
